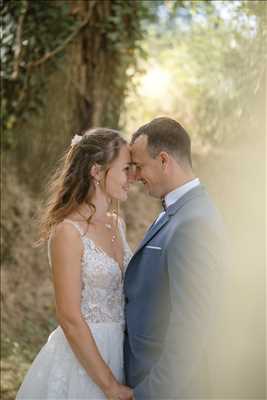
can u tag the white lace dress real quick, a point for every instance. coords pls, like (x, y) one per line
(56, 373)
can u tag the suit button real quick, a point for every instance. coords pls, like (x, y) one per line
(126, 300)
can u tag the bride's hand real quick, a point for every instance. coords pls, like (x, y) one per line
(125, 393)
(119, 392)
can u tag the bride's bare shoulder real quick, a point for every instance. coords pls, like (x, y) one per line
(66, 230)
(65, 243)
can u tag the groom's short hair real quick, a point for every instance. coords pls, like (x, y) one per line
(166, 134)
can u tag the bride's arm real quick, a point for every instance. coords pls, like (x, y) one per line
(66, 253)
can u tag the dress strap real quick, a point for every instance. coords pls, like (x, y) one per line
(75, 224)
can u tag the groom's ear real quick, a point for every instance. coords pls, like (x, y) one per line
(164, 159)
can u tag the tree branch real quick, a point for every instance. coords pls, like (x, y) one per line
(62, 46)
(18, 42)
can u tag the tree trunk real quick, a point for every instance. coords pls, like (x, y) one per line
(98, 70)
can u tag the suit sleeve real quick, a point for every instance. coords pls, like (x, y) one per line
(194, 259)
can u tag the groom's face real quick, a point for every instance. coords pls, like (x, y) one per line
(148, 169)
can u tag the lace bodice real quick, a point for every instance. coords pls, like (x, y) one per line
(102, 298)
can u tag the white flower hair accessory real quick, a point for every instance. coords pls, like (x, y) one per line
(76, 139)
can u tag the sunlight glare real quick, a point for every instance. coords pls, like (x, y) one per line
(155, 83)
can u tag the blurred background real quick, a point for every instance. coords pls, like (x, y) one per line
(72, 64)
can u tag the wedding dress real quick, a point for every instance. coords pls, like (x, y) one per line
(56, 372)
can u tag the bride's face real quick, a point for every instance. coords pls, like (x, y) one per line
(117, 182)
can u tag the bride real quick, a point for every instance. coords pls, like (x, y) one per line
(88, 254)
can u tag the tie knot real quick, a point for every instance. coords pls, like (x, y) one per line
(163, 202)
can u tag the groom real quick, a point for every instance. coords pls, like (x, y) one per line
(173, 280)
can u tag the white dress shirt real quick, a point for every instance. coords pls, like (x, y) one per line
(176, 194)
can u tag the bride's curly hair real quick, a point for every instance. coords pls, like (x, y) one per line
(72, 183)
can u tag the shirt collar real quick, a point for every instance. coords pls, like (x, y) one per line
(177, 193)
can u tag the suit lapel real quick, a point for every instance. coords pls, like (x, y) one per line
(153, 230)
(172, 210)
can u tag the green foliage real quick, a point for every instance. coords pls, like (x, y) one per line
(213, 53)
(30, 30)
(214, 56)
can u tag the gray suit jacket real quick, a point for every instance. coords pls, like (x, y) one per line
(172, 288)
